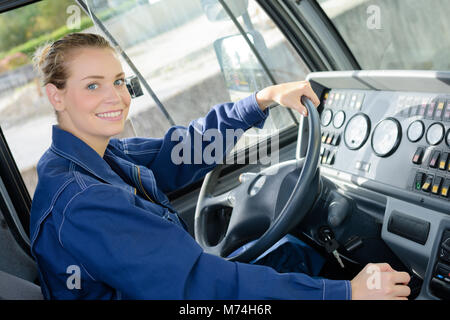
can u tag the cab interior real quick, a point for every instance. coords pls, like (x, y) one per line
(378, 155)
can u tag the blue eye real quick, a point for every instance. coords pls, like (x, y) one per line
(119, 82)
(92, 86)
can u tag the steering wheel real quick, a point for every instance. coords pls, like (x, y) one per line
(264, 207)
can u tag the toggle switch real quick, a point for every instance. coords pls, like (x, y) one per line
(418, 155)
(427, 184)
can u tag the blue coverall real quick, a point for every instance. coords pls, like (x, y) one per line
(109, 218)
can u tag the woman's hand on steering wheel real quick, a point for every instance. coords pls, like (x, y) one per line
(288, 95)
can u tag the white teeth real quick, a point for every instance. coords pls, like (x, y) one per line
(109, 114)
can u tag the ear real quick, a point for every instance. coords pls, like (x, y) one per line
(55, 96)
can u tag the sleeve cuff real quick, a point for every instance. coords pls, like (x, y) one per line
(251, 113)
(336, 290)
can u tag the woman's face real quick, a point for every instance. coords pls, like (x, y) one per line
(95, 100)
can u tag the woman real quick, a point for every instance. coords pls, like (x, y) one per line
(101, 225)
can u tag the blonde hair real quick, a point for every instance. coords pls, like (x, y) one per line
(50, 60)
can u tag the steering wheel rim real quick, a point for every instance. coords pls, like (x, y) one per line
(289, 216)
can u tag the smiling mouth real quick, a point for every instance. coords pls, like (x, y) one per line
(113, 115)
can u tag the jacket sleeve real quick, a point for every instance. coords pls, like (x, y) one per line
(147, 257)
(186, 154)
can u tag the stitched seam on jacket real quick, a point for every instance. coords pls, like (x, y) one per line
(260, 112)
(349, 292)
(137, 143)
(143, 152)
(77, 176)
(64, 212)
(88, 272)
(242, 118)
(155, 189)
(346, 290)
(125, 146)
(49, 209)
(80, 177)
(65, 208)
(56, 150)
(323, 294)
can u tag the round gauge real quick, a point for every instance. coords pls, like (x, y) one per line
(357, 131)
(327, 114)
(415, 131)
(386, 137)
(435, 133)
(338, 119)
(448, 138)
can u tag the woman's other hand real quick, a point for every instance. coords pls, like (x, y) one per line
(378, 281)
(288, 95)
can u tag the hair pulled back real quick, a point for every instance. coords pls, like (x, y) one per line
(51, 59)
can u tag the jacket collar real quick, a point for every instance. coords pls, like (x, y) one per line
(73, 148)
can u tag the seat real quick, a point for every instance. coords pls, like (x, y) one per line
(15, 288)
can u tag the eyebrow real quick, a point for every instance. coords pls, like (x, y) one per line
(102, 77)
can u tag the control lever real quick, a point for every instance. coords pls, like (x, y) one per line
(338, 209)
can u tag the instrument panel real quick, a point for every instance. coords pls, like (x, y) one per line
(386, 146)
(400, 139)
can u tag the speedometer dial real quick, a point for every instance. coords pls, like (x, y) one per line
(435, 133)
(386, 137)
(327, 115)
(357, 131)
(415, 131)
(339, 119)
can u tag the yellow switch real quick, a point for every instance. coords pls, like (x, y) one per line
(426, 185)
(436, 185)
(435, 189)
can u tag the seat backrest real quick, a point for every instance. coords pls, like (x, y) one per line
(15, 288)
(18, 271)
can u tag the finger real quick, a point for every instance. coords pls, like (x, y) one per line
(303, 110)
(311, 95)
(307, 96)
(401, 277)
(303, 107)
(402, 291)
(400, 298)
(384, 267)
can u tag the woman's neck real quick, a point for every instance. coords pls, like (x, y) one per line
(97, 143)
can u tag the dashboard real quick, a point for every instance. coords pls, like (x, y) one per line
(386, 134)
(401, 139)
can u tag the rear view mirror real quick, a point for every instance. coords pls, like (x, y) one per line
(215, 12)
(240, 67)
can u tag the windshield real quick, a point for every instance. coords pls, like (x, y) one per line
(386, 34)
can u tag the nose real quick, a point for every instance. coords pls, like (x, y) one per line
(112, 96)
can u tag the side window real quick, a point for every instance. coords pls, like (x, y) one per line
(26, 116)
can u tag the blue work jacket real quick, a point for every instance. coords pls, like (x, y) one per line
(103, 228)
